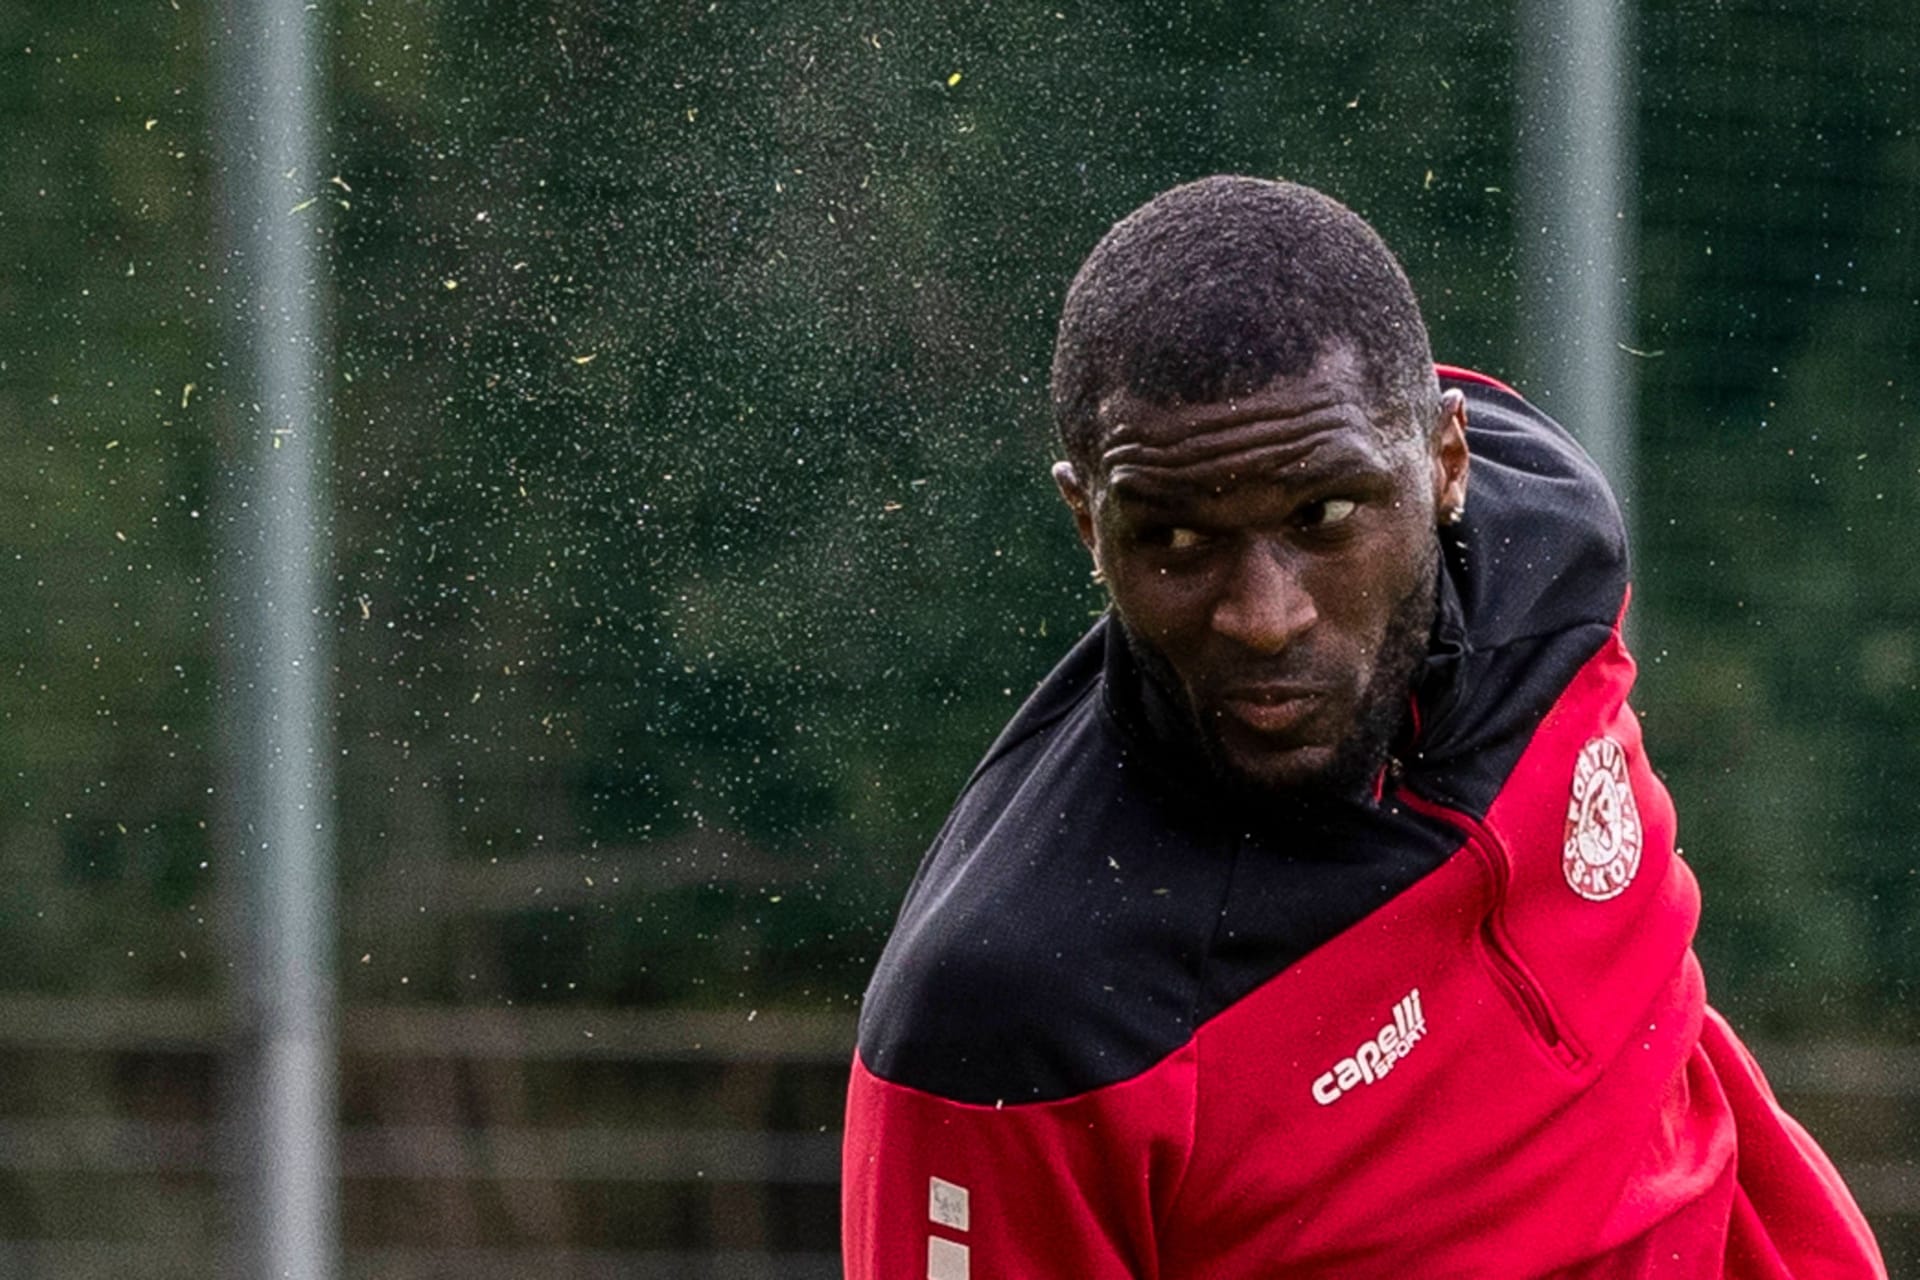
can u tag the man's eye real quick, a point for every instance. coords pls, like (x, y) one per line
(1324, 515)
(1180, 538)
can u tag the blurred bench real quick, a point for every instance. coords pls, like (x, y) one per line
(473, 1142)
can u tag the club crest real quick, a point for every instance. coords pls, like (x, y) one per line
(1603, 823)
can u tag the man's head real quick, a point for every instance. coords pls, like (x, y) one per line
(1258, 458)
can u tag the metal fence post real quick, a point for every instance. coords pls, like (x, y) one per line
(1575, 126)
(275, 721)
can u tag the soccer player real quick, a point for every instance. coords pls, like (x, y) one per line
(1319, 915)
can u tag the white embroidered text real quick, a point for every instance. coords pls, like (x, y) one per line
(1376, 1057)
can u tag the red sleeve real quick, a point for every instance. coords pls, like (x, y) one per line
(1071, 1188)
(1792, 1215)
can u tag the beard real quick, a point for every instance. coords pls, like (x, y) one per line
(1380, 713)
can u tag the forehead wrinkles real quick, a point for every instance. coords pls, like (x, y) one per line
(1329, 434)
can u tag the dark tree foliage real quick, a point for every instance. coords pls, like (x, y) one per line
(1780, 480)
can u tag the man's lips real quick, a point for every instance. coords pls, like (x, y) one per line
(1270, 709)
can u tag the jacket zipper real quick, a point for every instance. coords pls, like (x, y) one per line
(1523, 991)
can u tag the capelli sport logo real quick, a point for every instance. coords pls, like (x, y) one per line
(1374, 1058)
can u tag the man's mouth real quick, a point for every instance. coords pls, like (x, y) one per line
(1270, 709)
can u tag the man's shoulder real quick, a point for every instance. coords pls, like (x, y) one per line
(1536, 586)
(1544, 547)
(1070, 695)
(1052, 941)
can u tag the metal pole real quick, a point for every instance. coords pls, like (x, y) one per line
(275, 720)
(1576, 228)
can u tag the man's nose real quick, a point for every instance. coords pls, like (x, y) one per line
(1263, 606)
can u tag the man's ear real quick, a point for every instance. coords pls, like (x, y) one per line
(1066, 478)
(1449, 454)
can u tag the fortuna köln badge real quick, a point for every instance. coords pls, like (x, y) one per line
(1603, 823)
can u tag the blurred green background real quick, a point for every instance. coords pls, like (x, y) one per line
(692, 539)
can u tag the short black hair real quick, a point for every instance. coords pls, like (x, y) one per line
(1213, 289)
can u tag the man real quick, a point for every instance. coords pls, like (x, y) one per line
(1319, 915)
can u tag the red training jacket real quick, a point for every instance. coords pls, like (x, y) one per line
(1131, 1029)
